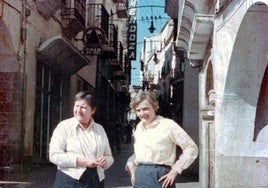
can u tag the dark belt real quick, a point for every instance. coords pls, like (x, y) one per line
(155, 165)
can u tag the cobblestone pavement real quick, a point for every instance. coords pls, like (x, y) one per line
(42, 175)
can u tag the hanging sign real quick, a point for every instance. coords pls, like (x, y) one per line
(132, 29)
(93, 39)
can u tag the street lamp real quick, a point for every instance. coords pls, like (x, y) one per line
(152, 28)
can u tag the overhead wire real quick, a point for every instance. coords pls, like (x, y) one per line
(144, 16)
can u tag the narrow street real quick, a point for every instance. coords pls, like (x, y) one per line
(42, 175)
(116, 176)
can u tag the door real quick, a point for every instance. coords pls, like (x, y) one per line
(50, 106)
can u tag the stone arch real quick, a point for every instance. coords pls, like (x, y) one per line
(243, 81)
(245, 59)
(262, 107)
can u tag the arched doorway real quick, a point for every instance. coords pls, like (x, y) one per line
(236, 150)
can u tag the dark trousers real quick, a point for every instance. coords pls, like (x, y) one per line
(147, 176)
(89, 179)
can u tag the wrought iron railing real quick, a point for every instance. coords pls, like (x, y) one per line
(75, 8)
(120, 53)
(113, 37)
(98, 17)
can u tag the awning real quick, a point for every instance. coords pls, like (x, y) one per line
(61, 56)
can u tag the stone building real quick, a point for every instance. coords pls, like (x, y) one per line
(218, 46)
(226, 46)
(50, 50)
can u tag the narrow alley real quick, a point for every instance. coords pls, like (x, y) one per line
(42, 175)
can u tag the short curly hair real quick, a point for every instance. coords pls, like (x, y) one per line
(88, 97)
(142, 96)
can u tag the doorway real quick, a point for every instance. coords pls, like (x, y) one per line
(51, 106)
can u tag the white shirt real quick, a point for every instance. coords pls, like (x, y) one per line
(70, 141)
(156, 143)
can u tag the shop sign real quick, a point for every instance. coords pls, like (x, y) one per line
(93, 39)
(132, 29)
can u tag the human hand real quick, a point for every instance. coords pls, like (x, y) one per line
(131, 173)
(87, 162)
(102, 161)
(169, 178)
(91, 163)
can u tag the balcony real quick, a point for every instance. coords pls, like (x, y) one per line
(121, 8)
(121, 70)
(195, 22)
(117, 63)
(98, 17)
(73, 17)
(110, 49)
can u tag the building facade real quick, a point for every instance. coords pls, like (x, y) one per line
(226, 45)
(49, 51)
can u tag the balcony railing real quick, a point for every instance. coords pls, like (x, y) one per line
(121, 8)
(110, 49)
(120, 53)
(98, 17)
(73, 17)
(118, 62)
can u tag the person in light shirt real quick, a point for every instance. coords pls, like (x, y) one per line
(80, 148)
(154, 164)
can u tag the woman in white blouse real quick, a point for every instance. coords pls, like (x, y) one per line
(80, 148)
(153, 163)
